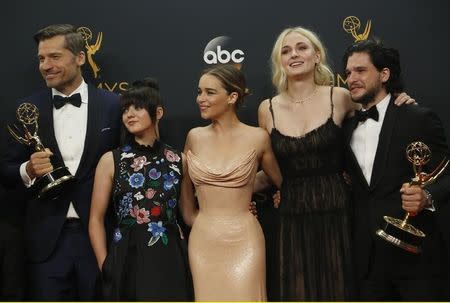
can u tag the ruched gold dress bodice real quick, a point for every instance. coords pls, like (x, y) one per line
(226, 243)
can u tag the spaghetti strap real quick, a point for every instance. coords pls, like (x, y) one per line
(331, 101)
(271, 112)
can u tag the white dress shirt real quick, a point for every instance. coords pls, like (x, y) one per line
(364, 141)
(69, 124)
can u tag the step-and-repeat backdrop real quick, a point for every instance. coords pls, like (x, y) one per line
(173, 40)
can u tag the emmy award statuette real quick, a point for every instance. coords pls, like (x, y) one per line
(399, 232)
(51, 184)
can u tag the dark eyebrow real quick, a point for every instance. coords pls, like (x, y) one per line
(208, 89)
(50, 54)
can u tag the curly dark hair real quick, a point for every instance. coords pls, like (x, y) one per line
(381, 57)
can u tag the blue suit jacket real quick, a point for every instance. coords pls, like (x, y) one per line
(45, 218)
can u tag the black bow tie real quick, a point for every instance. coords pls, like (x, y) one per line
(362, 116)
(59, 101)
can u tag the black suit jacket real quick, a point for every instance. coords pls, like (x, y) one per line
(401, 126)
(45, 218)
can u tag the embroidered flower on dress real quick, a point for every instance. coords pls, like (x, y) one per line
(126, 155)
(154, 174)
(148, 176)
(150, 193)
(126, 148)
(138, 196)
(169, 180)
(117, 235)
(125, 205)
(156, 228)
(136, 180)
(172, 203)
(171, 156)
(140, 214)
(139, 162)
(175, 168)
(155, 211)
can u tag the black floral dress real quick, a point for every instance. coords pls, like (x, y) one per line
(147, 260)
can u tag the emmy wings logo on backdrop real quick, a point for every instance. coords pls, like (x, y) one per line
(352, 25)
(91, 50)
(221, 50)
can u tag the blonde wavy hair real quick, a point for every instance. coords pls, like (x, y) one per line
(322, 74)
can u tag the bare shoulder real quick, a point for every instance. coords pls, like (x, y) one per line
(105, 166)
(259, 134)
(106, 158)
(264, 106)
(343, 102)
(259, 139)
(264, 116)
(194, 136)
(197, 132)
(341, 95)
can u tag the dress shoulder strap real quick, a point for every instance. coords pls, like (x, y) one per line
(271, 111)
(331, 101)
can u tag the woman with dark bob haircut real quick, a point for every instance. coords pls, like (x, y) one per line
(147, 259)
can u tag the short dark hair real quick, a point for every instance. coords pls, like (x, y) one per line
(74, 40)
(141, 94)
(381, 57)
(232, 79)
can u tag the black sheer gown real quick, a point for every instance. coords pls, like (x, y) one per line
(147, 260)
(313, 235)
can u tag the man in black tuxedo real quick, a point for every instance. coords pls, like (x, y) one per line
(76, 131)
(376, 162)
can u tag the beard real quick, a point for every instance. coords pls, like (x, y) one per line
(368, 97)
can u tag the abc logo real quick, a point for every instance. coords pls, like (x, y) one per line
(223, 56)
(217, 52)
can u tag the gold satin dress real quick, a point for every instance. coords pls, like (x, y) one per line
(226, 243)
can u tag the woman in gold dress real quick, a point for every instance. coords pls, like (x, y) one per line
(226, 243)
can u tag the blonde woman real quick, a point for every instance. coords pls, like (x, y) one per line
(304, 122)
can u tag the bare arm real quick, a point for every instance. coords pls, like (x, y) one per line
(269, 162)
(263, 111)
(262, 181)
(187, 203)
(100, 199)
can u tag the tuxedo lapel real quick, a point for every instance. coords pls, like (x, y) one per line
(46, 127)
(92, 126)
(384, 141)
(352, 162)
(349, 126)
